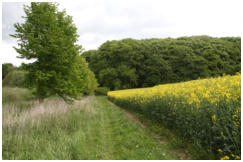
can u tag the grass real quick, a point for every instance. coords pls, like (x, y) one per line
(22, 97)
(89, 129)
(176, 142)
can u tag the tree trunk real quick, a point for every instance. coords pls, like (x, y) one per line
(40, 98)
(41, 107)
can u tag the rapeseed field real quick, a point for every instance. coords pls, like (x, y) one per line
(206, 111)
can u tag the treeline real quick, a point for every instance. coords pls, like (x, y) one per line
(13, 76)
(130, 63)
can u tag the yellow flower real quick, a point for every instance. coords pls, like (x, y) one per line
(236, 124)
(225, 158)
(238, 110)
(214, 118)
(235, 116)
(220, 150)
(219, 94)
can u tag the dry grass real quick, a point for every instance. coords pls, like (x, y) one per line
(87, 129)
(51, 107)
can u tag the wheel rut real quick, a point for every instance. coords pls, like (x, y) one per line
(180, 153)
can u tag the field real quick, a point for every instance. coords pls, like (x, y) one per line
(88, 129)
(133, 83)
(206, 111)
(198, 119)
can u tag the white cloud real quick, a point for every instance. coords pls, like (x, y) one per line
(154, 18)
(101, 20)
(9, 55)
(12, 12)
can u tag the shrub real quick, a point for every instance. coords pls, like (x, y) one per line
(102, 91)
(21, 97)
(91, 83)
(15, 78)
(7, 68)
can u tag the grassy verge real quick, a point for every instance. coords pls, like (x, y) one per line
(88, 129)
(175, 141)
(22, 97)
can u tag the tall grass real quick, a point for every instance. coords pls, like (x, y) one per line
(88, 129)
(206, 111)
(34, 133)
(21, 97)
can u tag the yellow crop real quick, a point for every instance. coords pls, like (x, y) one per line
(194, 92)
(208, 109)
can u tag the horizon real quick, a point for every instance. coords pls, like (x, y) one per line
(98, 22)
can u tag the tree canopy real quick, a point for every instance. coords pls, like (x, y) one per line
(131, 63)
(7, 68)
(49, 37)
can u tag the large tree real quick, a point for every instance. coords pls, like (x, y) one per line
(48, 37)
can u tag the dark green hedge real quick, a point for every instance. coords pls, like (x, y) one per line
(101, 91)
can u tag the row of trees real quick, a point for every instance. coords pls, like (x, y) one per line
(130, 63)
(12, 76)
(7, 68)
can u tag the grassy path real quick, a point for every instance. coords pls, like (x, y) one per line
(180, 153)
(93, 129)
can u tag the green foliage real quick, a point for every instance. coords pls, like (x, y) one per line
(49, 37)
(102, 91)
(86, 76)
(7, 68)
(131, 63)
(21, 97)
(91, 83)
(95, 131)
(15, 78)
(175, 138)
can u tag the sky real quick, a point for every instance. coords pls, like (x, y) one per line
(101, 20)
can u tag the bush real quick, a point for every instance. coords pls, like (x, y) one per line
(7, 68)
(21, 97)
(102, 91)
(91, 83)
(15, 78)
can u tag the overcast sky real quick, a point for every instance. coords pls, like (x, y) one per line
(101, 20)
